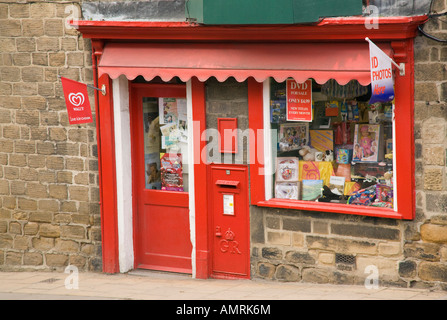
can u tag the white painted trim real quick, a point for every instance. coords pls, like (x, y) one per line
(268, 167)
(123, 173)
(192, 211)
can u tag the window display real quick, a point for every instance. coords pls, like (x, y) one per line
(343, 155)
(165, 143)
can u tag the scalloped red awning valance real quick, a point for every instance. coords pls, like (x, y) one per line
(321, 61)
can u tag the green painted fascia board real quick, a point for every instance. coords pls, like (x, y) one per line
(268, 11)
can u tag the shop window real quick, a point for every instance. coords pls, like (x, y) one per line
(329, 145)
(165, 144)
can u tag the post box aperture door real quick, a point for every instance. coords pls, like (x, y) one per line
(160, 177)
(230, 221)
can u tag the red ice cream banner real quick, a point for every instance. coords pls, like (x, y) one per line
(77, 102)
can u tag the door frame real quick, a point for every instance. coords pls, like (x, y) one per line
(176, 199)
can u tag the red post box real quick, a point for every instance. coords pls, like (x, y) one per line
(229, 216)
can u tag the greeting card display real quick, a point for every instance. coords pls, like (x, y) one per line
(312, 189)
(287, 190)
(368, 146)
(287, 169)
(171, 171)
(292, 136)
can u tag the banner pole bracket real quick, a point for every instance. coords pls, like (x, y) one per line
(103, 88)
(401, 66)
(402, 69)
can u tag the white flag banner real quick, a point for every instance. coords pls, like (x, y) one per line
(382, 81)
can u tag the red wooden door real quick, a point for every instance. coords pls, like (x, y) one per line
(230, 233)
(160, 172)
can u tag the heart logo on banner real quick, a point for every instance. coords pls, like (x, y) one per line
(76, 99)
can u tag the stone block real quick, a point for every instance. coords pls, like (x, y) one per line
(422, 251)
(21, 242)
(434, 155)
(31, 228)
(66, 246)
(73, 232)
(433, 271)
(271, 253)
(56, 260)
(56, 59)
(54, 27)
(76, 164)
(78, 193)
(32, 28)
(41, 217)
(13, 258)
(58, 191)
(426, 91)
(41, 10)
(49, 231)
(11, 28)
(279, 238)
(6, 241)
(316, 275)
(326, 258)
(434, 233)
(32, 74)
(26, 44)
(433, 131)
(32, 258)
(407, 269)
(58, 134)
(341, 245)
(43, 244)
(364, 231)
(27, 204)
(4, 187)
(299, 257)
(296, 225)
(287, 273)
(15, 228)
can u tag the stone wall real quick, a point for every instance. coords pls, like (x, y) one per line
(49, 193)
(227, 99)
(289, 245)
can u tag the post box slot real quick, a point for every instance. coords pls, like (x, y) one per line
(227, 184)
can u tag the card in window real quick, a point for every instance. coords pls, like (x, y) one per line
(287, 169)
(312, 189)
(293, 136)
(287, 190)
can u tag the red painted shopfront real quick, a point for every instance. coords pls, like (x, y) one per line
(204, 229)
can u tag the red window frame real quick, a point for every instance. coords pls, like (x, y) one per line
(403, 150)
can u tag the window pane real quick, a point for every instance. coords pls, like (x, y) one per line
(165, 144)
(343, 155)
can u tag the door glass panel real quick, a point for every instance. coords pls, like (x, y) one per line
(165, 144)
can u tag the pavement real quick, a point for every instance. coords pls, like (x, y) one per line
(147, 285)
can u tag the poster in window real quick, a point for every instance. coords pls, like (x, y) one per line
(168, 110)
(171, 171)
(299, 101)
(151, 127)
(152, 171)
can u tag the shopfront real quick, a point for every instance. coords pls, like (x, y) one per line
(182, 174)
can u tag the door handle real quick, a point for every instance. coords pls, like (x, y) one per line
(218, 231)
